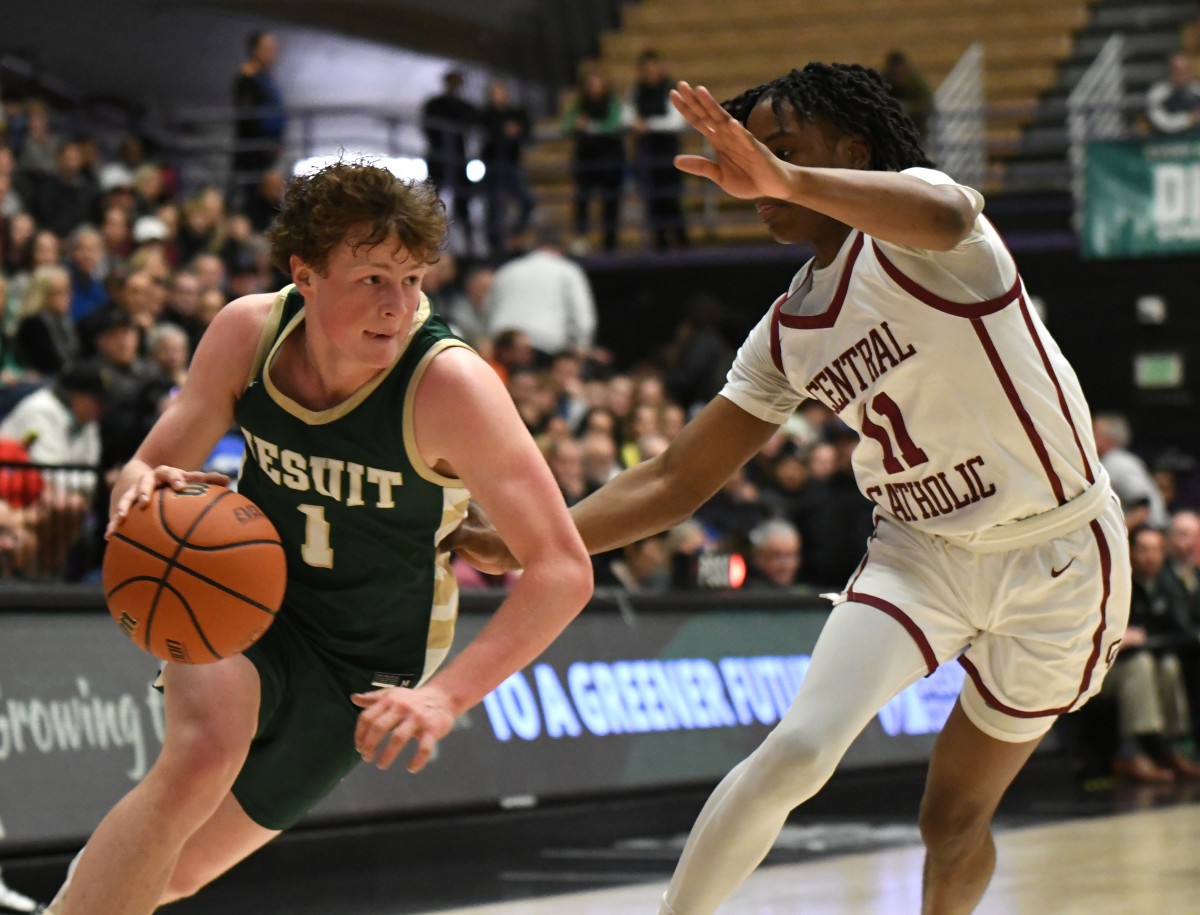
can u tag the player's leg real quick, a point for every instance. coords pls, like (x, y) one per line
(969, 772)
(862, 659)
(226, 837)
(211, 717)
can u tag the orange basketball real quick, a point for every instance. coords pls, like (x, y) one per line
(196, 575)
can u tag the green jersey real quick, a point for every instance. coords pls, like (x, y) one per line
(358, 511)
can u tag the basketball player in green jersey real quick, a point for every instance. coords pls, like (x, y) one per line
(367, 424)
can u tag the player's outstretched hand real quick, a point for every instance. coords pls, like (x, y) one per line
(393, 716)
(139, 491)
(476, 541)
(744, 167)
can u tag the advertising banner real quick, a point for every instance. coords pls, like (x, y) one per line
(1142, 197)
(621, 702)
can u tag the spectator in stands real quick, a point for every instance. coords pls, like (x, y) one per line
(136, 297)
(149, 189)
(908, 87)
(10, 371)
(261, 122)
(599, 455)
(593, 120)
(39, 148)
(85, 261)
(1174, 472)
(60, 424)
(266, 200)
(1147, 679)
(18, 244)
(546, 296)
(203, 226)
(465, 310)
(183, 306)
(733, 511)
(64, 199)
(564, 456)
(1181, 573)
(642, 422)
(1173, 104)
(169, 353)
(117, 232)
(638, 566)
(209, 270)
(506, 130)
(774, 555)
(116, 344)
(212, 300)
(447, 120)
(1131, 479)
(17, 544)
(656, 127)
(697, 358)
(570, 399)
(46, 339)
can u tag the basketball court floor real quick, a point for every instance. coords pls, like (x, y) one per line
(1064, 849)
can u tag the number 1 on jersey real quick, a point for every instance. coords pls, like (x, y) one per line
(316, 550)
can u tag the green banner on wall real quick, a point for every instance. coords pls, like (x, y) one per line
(1141, 198)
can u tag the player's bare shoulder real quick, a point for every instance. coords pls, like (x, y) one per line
(229, 345)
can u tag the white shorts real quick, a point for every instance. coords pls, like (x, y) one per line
(1035, 628)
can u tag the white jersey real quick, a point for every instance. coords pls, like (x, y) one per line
(969, 417)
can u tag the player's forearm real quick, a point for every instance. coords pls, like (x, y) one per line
(547, 596)
(637, 503)
(886, 205)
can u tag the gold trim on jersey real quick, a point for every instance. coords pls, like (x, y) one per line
(444, 613)
(321, 417)
(410, 439)
(270, 328)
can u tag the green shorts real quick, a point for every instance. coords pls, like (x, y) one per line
(304, 744)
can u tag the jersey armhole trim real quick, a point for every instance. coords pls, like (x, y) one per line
(270, 329)
(410, 439)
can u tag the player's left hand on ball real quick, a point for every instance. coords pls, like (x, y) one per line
(393, 716)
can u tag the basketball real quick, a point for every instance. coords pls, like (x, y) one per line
(196, 575)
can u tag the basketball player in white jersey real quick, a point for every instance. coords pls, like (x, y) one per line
(998, 540)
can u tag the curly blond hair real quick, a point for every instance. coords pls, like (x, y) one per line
(356, 203)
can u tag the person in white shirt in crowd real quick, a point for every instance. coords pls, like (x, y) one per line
(1131, 479)
(546, 296)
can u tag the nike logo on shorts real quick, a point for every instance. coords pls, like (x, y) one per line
(1054, 573)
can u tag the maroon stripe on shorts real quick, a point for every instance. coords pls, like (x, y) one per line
(1097, 641)
(903, 619)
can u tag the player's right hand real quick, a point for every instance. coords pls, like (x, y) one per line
(476, 541)
(139, 490)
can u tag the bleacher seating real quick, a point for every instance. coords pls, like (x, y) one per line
(729, 47)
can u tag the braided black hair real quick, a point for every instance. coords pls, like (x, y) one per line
(854, 99)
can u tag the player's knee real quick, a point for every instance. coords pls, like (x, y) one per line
(200, 765)
(951, 829)
(797, 761)
(184, 882)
